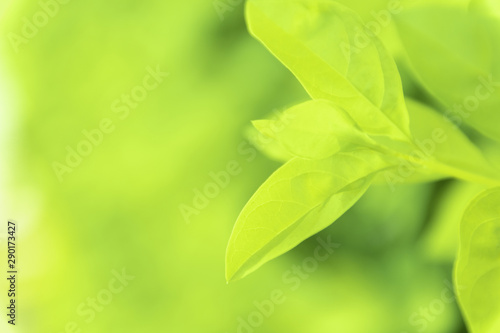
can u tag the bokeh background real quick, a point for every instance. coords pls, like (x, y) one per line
(121, 207)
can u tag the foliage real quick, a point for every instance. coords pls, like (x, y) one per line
(360, 129)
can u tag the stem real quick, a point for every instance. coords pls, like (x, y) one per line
(464, 174)
(449, 170)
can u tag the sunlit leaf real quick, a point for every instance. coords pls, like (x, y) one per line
(477, 270)
(329, 50)
(437, 138)
(455, 55)
(298, 200)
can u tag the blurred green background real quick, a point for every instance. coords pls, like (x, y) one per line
(121, 207)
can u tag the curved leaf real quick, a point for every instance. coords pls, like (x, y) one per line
(477, 268)
(329, 50)
(297, 201)
(454, 54)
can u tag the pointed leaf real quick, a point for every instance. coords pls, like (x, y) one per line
(327, 48)
(297, 201)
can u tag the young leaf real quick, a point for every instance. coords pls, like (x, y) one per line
(297, 201)
(454, 54)
(437, 139)
(329, 50)
(315, 129)
(477, 268)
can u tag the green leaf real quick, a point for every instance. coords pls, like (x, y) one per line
(477, 268)
(442, 141)
(297, 201)
(435, 153)
(314, 129)
(454, 54)
(317, 129)
(327, 48)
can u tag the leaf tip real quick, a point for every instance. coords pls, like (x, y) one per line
(264, 127)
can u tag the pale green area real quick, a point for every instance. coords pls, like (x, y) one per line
(120, 208)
